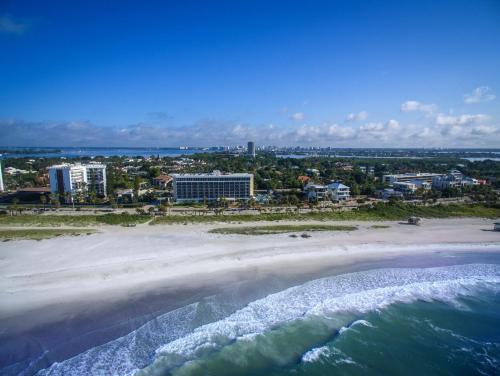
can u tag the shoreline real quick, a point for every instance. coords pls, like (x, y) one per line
(95, 288)
(99, 322)
(117, 262)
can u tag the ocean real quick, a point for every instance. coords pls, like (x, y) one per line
(442, 320)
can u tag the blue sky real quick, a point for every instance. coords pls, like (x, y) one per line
(326, 73)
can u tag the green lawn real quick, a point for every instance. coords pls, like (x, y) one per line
(40, 234)
(379, 212)
(279, 229)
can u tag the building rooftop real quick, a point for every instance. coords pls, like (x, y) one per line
(211, 174)
(87, 165)
(166, 178)
(337, 185)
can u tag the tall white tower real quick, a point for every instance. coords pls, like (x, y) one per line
(251, 149)
(1, 178)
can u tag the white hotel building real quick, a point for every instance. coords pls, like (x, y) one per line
(77, 178)
(211, 187)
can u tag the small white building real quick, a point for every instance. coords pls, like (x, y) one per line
(447, 181)
(162, 181)
(405, 187)
(466, 181)
(339, 191)
(124, 193)
(15, 171)
(422, 184)
(312, 171)
(387, 193)
(370, 170)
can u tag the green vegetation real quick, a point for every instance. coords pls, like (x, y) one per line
(378, 212)
(71, 220)
(122, 219)
(279, 229)
(379, 226)
(40, 234)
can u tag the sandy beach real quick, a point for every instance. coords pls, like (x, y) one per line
(119, 262)
(98, 287)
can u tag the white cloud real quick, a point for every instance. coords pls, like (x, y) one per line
(442, 119)
(385, 132)
(484, 130)
(10, 25)
(298, 116)
(439, 131)
(480, 94)
(412, 106)
(360, 116)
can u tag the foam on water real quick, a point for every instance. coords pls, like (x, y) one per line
(318, 353)
(357, 322)
(314, 354)
(354, 293)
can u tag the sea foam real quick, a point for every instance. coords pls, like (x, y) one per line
(354, 293)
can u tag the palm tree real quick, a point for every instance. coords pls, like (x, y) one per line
(43, 200)
(54, 197)
(68, 197)
(15, 206)
(92, 198)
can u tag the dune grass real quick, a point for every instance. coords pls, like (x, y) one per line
(379, 212)
(40, 234)
(71, 220)
(279, 229)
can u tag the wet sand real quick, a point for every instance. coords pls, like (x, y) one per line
(67, 294)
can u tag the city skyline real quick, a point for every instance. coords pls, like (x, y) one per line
(339, 74)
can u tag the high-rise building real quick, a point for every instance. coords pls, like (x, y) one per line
(1, 178)
(251, 149)
(210, 187)
(69, 179)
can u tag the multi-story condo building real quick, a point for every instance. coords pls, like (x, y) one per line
(69, 179)
(96, 178)
(211, 187)
(1, 178)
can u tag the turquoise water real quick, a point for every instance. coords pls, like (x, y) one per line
(417, 338)
(443, 320)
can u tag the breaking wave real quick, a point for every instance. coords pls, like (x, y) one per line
(180, 336)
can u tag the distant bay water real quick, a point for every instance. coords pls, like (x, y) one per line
(75, 152)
